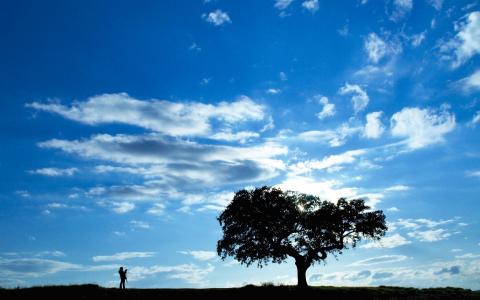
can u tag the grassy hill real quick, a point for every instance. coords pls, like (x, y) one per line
(249, 292)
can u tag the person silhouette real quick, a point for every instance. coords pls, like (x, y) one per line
(123, 277)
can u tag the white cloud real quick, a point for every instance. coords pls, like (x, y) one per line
(380, 260)
(273, 91)
(190, 273)
(467, 256)
(56, 205)
(217, 17)
(334, 138)
(374, 127)
(282, 76)
(122, 207)
(437, 4)
(54, 253)
(282, 4)
(343, 31)
(157, 209)
(122, 256)
(171, 118)
(388, 242)
(473, 174)
(371, 199)
(417, 39)
(375, 47)
(330, 190)
(470, 83)
(201, 255)
(328, 109)
(393, 209)
(23, 193)
(269, 126)
(194, 47)
(179, 160)
(54, 172)
(422, 127)
(466, 43)
(139, 224)
(401, 8)
(421, 223)
(205, 81)
(397, 188)
(241, 136)
(360, 97)
(331, 161)
(475, 119)
(33, 267)
(311, 5)
(430, 235)
(463, 272)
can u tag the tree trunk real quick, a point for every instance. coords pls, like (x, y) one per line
(301, 273)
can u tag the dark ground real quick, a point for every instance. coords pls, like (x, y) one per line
(248, 292)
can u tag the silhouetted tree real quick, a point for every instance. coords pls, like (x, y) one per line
(266, 224)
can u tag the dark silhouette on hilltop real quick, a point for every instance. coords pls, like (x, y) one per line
(266, 224)
(123, 277)
(91, 291)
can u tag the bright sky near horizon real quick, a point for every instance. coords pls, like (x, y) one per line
(127, 126)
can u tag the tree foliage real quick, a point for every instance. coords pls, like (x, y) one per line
(265, 225)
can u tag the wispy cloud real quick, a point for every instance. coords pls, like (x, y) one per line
(157, 209)
(23, 193)
(194, 47)
(334, 138)
(122, 207)
(172, 158)
(217, 17)
(375, 47)
(273, 91)
(241, 136)
(311, 5)
(473, 174)
(139, 224)
(380, 260)
(33, 267)
(466, 42)
(417, 39)
(189, 273)
(401, 9)
(360, 97)
(201, 255)
(54, 172)
(122, 256)
(328, 162)
(170, 118)
(437, 4)
(282, 4)
(470, 83)
(430, 235)
(388, 242)
(397, 188)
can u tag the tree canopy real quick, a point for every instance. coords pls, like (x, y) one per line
(266, 224)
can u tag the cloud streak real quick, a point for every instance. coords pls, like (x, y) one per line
(162, 116)
(122, 256)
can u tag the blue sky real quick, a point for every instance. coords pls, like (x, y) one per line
(126, 128)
